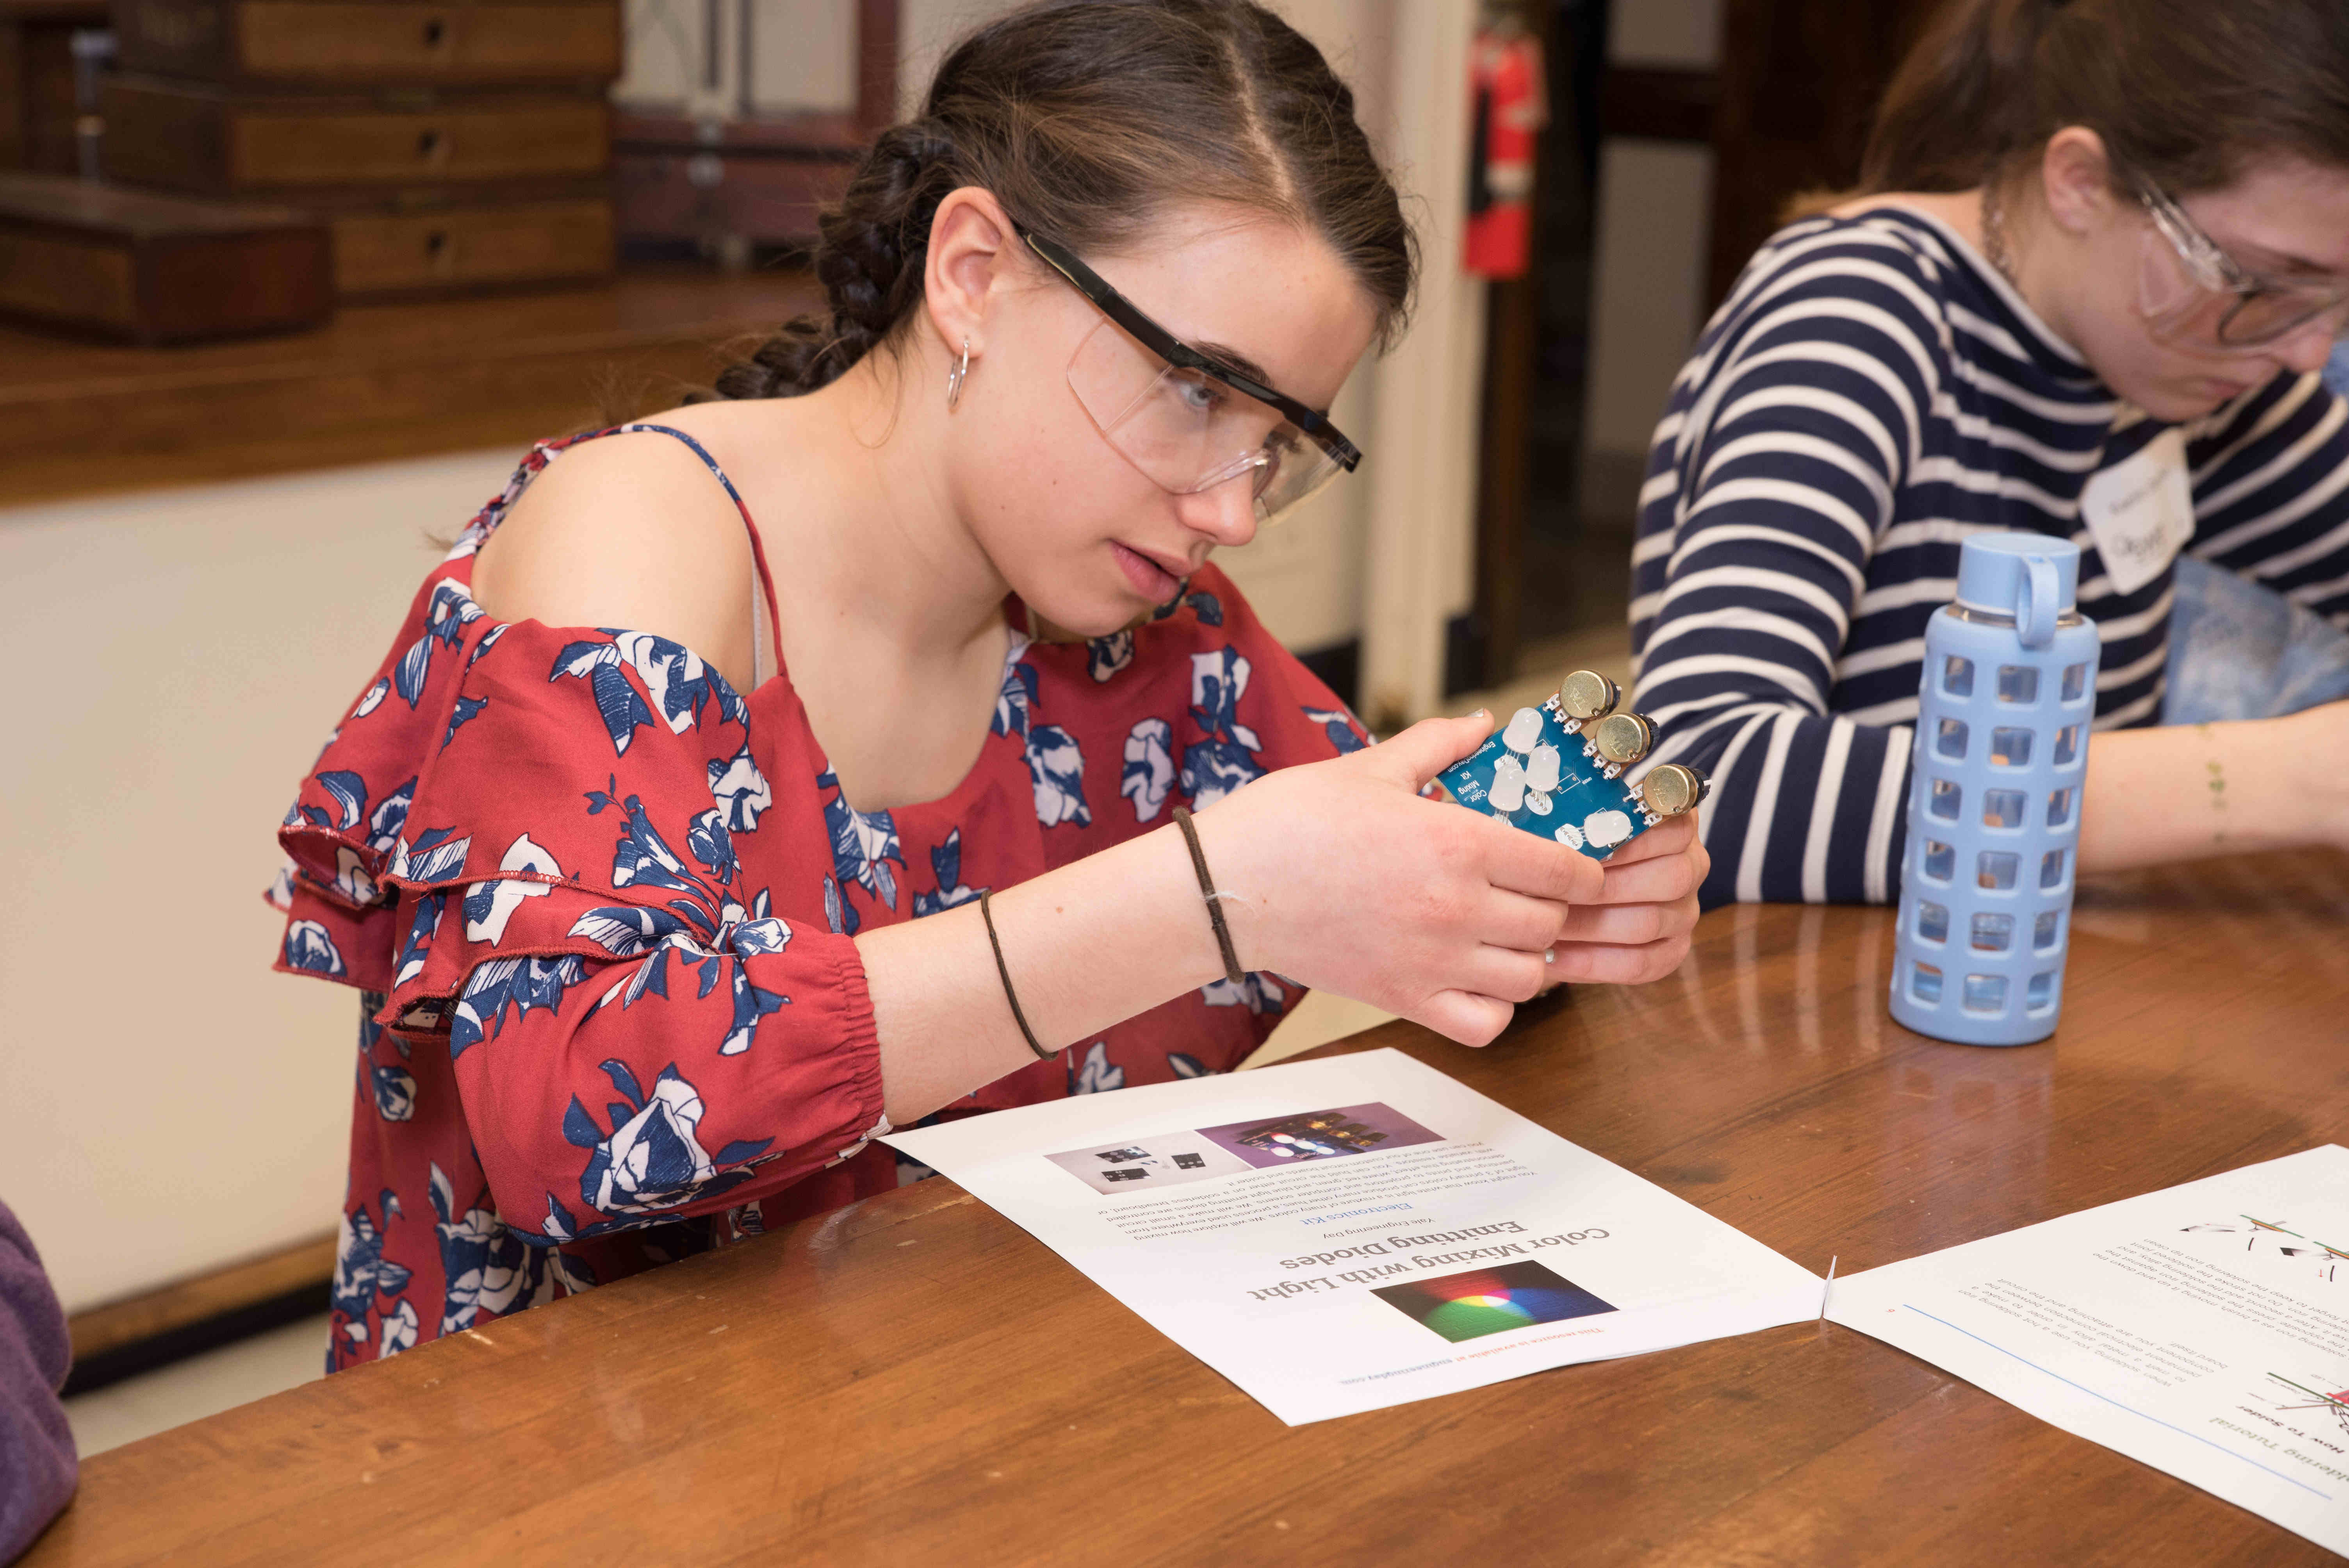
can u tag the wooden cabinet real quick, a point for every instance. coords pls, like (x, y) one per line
(380, 253)
(449, 146)
(204, 140)
(372, 42)
(156, 269)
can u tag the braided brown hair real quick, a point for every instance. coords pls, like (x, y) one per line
(1087, 119)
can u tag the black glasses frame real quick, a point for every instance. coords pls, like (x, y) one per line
(1181, 355)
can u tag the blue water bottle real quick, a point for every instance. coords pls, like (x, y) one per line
(2001, 752)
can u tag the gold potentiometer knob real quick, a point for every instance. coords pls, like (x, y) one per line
(1587, 694)
(1623, 738)
(1674, 788)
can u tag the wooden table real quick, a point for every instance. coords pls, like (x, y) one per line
(914, 1381)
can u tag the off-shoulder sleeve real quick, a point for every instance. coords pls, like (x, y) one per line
(563, 830)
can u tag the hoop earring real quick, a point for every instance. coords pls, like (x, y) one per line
(955, 378)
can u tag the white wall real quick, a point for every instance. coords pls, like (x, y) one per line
(170, 1105)
(925, 30)
(1655, 221)
(1428, 395)
(803, 55)
(1654, 229)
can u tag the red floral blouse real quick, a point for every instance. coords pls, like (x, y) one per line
(600, 906)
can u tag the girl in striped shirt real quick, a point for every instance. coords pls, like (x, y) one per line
(2096, 237)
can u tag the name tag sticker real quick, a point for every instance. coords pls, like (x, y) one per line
(2141, 512)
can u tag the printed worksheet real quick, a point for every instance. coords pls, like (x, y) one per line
(1340, 1235)
(2204, 1329)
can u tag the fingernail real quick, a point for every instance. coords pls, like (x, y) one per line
(1482, 713)
(1550, 955)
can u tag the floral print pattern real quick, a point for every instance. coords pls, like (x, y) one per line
(600, 908)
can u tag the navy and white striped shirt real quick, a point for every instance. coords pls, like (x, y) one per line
(1871, 393)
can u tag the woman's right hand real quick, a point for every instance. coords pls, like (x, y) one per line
(1345, 878)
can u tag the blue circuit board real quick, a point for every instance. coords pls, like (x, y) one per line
(1586, 805)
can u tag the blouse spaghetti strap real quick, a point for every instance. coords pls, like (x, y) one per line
(766, 631)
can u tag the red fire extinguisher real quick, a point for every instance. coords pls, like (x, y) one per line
(1512, 105)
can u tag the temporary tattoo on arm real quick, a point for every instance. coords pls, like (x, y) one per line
(2217, 780)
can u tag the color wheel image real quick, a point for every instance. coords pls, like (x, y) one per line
(1491, 1301)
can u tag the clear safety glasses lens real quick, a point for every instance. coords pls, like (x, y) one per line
(1188, 432)
(2186, 296)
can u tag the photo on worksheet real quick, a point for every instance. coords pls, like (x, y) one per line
(1312, 1135)
(1479, 1302)
(1146, 1164)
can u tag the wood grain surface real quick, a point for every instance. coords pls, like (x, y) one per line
(379, 382)
(914, 1380)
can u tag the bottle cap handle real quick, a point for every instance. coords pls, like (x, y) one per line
(2036, 602)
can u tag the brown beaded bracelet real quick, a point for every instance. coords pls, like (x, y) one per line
(1232, 970)
(1009, 995)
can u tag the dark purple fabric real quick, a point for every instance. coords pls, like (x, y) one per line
(37, 1447)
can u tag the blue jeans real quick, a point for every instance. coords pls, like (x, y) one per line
(2240, 651)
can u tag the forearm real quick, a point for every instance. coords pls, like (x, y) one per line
(1339, 874)
(2188, 792)
(1088, 945)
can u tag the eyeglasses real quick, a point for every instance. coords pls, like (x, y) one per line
(1188, 421)
(2178, 280)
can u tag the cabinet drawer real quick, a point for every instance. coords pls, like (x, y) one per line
(376, 42)
(293, 40)
(225, 144)
(472, 247)
(276, 149)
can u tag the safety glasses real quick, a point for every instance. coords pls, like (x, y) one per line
(2183, 275)
(1190, 422)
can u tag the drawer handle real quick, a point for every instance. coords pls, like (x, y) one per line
(438, 254)
(436, 241)
(435, 32)
(431, 144)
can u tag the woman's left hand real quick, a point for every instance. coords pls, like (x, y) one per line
(1638, 929)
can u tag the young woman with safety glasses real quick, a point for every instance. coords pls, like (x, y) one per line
(2102, 250)
(681, 855)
